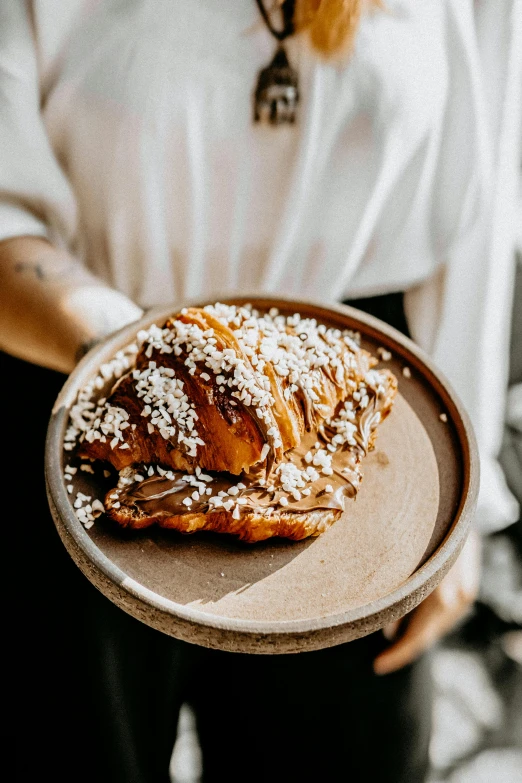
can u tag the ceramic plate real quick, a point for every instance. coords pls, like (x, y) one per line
(389, 550)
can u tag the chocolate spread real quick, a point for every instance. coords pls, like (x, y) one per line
(162, 496)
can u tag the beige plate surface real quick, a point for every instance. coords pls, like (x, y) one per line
(390, 548)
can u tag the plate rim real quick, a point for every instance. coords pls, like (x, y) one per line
(415, 587)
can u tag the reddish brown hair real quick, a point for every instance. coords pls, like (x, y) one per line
(331, 24)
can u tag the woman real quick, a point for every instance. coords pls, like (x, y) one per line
(134, 174)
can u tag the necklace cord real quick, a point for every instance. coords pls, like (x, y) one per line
(287, 9)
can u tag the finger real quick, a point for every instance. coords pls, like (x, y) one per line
(390, 631)
(403, 652)
(423, 630)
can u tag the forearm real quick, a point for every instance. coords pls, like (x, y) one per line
(50, 306)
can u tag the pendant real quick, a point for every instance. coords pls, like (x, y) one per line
(276, 96)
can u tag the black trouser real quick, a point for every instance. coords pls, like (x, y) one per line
(98, 693)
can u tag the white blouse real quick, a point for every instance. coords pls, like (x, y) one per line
(126, 134)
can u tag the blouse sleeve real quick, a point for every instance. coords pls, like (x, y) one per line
(35, 196)
(462, 316)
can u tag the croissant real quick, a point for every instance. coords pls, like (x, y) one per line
(239, 422)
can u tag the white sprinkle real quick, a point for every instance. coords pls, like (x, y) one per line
(312, 474)
(264, 451)
(283, 501)
(406, 372)
(328, 488)
(97, 507)
(187, 501)
(384, 354)
(443, 417)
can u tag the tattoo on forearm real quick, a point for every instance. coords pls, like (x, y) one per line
(25, 266)
(48, 269)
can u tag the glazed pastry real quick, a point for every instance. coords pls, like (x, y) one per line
(239, 422)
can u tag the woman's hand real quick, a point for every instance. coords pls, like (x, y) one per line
(437, 614)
